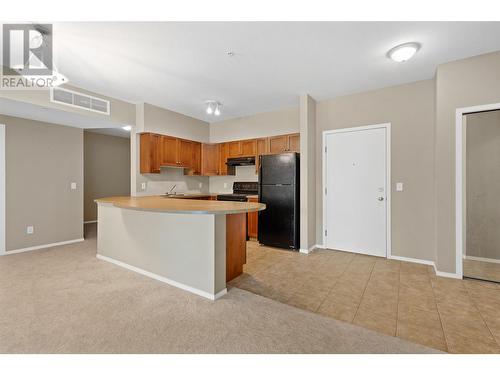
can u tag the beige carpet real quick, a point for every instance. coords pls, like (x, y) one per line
(64, 300)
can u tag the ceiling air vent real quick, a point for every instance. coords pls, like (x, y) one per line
(79, 100)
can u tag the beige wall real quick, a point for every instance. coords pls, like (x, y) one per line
(106, 169)
(162, 121)
(483, 184)
(259, 125)
(410, 110)
(308, 170)
(41, 162)
(462, 83)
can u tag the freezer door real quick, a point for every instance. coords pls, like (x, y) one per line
(278, 222)
(278, 169)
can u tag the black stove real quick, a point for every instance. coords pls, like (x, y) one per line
(241, 191)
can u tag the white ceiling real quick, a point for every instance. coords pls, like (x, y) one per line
(180, 65)
(116, 132)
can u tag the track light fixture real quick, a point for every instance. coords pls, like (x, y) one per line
(213, 107)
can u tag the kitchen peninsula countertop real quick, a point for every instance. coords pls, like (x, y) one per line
(182, 204)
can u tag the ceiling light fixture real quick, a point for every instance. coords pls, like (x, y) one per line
(213, 107)
(217, 110)
(403, 52)
(127, 128)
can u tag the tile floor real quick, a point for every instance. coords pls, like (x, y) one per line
(396, 298)
(482, 270)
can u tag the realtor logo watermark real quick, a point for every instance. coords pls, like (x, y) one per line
(27, 61)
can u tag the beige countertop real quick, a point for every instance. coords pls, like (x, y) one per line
(182, 205)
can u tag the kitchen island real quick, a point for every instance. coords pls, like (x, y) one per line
(196, 245)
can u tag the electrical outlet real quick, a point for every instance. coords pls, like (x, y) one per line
(399, 186)
(73, 186)
(225, 185)
(200, 185)
(30, 229)
(143, 186)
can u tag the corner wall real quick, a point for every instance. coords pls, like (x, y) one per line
(106, 169)
(42, 160)
(463, 83)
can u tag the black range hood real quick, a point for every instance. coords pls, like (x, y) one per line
(234, 162)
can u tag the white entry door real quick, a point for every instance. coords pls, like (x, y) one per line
(355, 194)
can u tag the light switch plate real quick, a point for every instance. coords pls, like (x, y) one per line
(30, 229)
(143, 186)
(200, 185)
(73, 186)
(399, 186)
(225, 185)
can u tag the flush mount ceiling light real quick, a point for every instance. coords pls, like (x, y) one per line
(403, 52)
(213, 107)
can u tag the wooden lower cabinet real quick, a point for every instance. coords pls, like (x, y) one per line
(236, 245)
(252, 221)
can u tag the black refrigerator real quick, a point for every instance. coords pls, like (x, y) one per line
(279, 181)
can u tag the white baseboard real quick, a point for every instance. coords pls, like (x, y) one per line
(412, 260)
(320, 246)
(90, 222)
(39, 247)
(415, 260)
(308, 251)
(481, 259)
(163, 279)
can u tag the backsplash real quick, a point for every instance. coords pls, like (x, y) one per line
(243, 173)
(163, 182)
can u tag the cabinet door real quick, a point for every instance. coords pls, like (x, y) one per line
(150, 151)
(170, 151)
(234, 149)
(252, 221)
(185, 151)
(223, 155)
(262, 149)
(294, 142)
(196, 159)
(249, 147)
(209, 159)
(278, 144)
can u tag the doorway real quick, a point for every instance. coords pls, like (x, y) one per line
(356, 179)
(481, 251)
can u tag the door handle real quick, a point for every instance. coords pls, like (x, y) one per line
(380, 198)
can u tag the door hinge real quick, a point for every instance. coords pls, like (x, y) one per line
(326, 233)
(326, 191)
(325, 149)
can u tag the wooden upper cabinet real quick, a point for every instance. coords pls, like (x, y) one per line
(284, 143)
(249, 147)
(294, 142)
(223, 155)
(150, 150)
(210, 159)
(170, 151)
(185, 153)
(278, 144)
(262, 149)
(234, 149)
(196, 159)
(207, 159)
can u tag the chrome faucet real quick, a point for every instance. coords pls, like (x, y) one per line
(172, 189)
